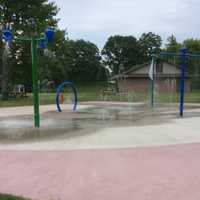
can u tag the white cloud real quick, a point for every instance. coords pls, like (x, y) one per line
(96, 20)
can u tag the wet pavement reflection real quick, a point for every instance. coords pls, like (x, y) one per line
(65, 125)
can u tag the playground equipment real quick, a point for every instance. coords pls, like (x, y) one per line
(183, 56)
(60, 97)
(40, 42)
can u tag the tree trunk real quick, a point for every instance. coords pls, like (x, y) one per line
(5, 72)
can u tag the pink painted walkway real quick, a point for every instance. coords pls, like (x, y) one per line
(160, 173)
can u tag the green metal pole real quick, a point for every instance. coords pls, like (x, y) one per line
(35, 82)
(152, 85)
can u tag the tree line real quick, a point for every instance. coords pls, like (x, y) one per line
(67, 59)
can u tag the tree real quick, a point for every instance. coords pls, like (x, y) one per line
(149, 43)
(193, 46)
(120, 53)
(26, 18)
(83, 60)
(172, 44)
(53, 63)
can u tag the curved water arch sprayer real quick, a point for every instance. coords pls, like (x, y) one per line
(58, 94)
(183, 55)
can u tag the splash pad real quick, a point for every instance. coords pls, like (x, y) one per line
(99, 125)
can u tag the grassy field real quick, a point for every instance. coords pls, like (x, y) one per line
(10, 197)
(86, 92)
(93, 92)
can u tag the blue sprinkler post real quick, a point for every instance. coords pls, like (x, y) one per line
(7, 35)
(183, 52)
(49, 34)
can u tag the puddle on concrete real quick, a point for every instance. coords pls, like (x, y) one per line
(65, 125)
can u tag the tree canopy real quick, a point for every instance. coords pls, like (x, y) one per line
(172, 44)
(149, 43)
(67, 59)
(123, 52)
(120, 52)
(25, 18)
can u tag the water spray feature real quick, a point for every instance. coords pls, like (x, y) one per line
(65, 91)
(7, 36)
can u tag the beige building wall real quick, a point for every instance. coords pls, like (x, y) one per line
(169, 69)
(143, 85)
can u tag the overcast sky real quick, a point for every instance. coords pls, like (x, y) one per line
(96, 20)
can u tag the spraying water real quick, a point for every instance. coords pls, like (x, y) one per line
(105, 96)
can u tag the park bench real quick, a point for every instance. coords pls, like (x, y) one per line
(18, 91)
(109, 92)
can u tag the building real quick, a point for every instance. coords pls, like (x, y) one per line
(137, 79)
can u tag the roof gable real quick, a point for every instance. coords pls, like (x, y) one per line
(168, 70)
(144, 69)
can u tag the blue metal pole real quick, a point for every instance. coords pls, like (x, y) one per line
(183, 52)
(59, 90)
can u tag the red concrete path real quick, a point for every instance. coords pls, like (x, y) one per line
(163, 173)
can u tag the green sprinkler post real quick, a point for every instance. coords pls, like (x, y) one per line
(49, 33)
(35, 82)
(152, 82)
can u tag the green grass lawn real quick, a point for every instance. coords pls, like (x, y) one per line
(93, 92)
(10, 197)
